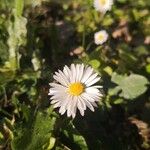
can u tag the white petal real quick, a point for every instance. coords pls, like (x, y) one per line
(73, 71)
(61, 76)
(51, 92)
(74, 112)
(56, 85)
(88, 104)
(63, 107)
(86, 74)
(68, 106)
(59, 89)
(98, 86)
(64, 77)
(60, 100)
(82, 102)
(81, 68)
(91, 90)
(69, 111)
(96, 95)
(93, 81)
(92, 97)
(77, 72)
(60, 80)
(96, 98)
(62, 110)
(88, 97)
(91, 78)
(67, 72)
(74, 106)
(59, 96)
(79, 105)
(54, 101)
(57, 104)
(94, 104)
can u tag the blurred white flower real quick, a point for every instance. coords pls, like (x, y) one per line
(74, 88)
(103, 5)
(100, 37)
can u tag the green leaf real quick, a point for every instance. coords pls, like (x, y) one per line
(19, 5)
(25, 111)
(1, 136)
(118, 101)
(6, 76)
(108, 70)
(72, 134)
(80, 141)
(36, 134)
(17, 37)
(133, 86)
(130, 86)
(95, 63)
(114, 91)
(50, 144)
(116, 78)
(107, 21)
(147, 67)
(141, 50)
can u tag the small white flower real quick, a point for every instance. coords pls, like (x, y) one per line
(74, 88)
(100, 37)
(103, 5)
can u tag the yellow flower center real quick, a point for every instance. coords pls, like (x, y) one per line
(100, 37)
(103, 2)
(76, 88)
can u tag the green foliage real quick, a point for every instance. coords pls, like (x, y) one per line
(39, 36)
(130, 86)
(19, 5)
(36, 134)
(94, 63)
(75, 137)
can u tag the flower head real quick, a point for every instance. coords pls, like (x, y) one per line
(100, 37)
(74, 89)
(103, 5)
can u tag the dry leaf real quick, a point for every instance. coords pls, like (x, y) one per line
(122, 31)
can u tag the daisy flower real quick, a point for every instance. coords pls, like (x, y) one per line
(103, 5)
(74, 88)
(100, 37)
